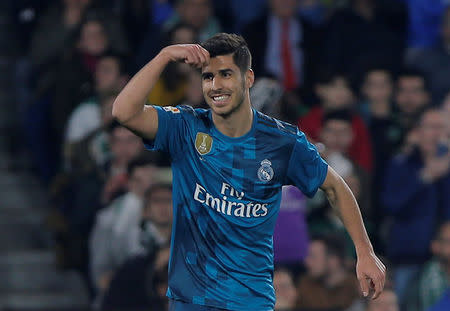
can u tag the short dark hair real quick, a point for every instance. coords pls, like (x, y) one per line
(327, 75)
(227, 43)
(340, 114)
(120, 59)
(412, 72)
(159, 186)
(144, 159)
(334, 243)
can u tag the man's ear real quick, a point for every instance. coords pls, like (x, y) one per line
(249, 78)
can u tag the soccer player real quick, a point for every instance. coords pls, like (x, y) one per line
(229, 164)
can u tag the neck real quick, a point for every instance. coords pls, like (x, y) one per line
(238, 123)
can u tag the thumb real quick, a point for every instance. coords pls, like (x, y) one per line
(364, 285)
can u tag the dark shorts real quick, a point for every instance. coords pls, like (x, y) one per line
(177, 305)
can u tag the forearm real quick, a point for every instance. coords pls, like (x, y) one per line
(132, 99)
(342, 200)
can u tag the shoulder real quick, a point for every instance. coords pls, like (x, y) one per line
(191, 114)
(276, 127)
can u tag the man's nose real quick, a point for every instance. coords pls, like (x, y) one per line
(216, 83)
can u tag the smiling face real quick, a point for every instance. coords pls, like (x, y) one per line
(225, 87)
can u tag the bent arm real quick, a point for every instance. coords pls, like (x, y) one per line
(341, 198)
(129, 107)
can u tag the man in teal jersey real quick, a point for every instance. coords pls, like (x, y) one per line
(229, 164)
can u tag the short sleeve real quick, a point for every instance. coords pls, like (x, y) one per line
(172, 130)
(306, 170)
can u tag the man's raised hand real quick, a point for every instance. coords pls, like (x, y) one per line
(192, 54)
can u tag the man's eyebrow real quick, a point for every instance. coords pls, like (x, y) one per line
(227, 70)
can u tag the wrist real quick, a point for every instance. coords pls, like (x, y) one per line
(364, 250)
(164, 56)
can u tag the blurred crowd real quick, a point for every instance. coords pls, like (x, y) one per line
(368, 81)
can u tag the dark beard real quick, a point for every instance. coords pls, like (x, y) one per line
(226, 115)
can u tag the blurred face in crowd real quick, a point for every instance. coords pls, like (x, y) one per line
(387, 301)
(124, 145)
(411, 95)
(431, 131)
(337, 135)
(441, 246)
(336, 94)
(195, 12)
(285, 291)
(183, 35)
(158, 208)
(284, 8)
(316, 260)
(93, 39)
(107, 75)
(378, 86)
(225, 87)
(141, 179)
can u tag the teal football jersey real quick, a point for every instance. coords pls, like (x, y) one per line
(226, 197)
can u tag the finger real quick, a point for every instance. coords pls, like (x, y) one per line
(364, 286)
(206, 54)
(190, 59)
(196, 55)
(378, 287)
(201, 54)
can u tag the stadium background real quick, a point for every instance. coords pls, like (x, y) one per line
(361, 74)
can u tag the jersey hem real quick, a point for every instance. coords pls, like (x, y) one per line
(171, 296)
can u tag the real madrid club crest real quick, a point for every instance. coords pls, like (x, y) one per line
(265, 171)
(203, 143)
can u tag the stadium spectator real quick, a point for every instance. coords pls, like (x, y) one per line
(376, 106)
(285, 291)
(114, 237)
(280, 42)
(411, 97)
(92, 150)
(434, 277)
(124, 146)
(74, 75)
(140, 283)
(415, 195)
(334, 92)
(434, 61)
(387, 301)
(196, 13)
(327, 284)
(56, 30)
(110, 77)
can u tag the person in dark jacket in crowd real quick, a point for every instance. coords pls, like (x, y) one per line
(415, 195)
